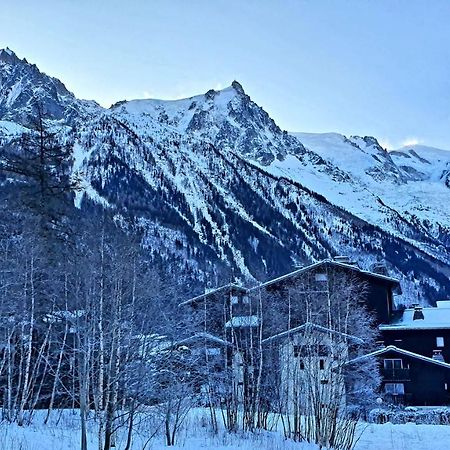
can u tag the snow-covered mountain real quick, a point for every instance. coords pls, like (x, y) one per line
(23, 88)
(404, 191)
(216, 187)
(424, 163)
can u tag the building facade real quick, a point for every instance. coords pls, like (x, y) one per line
(413, 348)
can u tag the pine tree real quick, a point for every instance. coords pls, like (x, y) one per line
(37, 165)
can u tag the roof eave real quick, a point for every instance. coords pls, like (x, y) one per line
(393, 348)
(214, 291)
(311, 325)
(393, 281)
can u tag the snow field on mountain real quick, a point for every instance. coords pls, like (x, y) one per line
(425, 197)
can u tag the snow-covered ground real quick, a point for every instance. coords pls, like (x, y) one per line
(404, 437)
(63, 434)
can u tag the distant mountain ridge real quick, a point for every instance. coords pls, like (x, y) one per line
(217, 188)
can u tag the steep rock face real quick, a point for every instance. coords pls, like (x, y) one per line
(227, 118)
(215, 187)
(23, 88)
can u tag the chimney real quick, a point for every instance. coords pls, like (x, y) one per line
(380, 268)
(344, 260)
(418, 312)
(443, 304)
(437, 355)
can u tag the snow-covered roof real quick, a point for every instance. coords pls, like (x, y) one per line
(393, 348)
(230, 286)
(309, 325)
(153, 343)
(334, 263)
(205, 337)
(433, 318)
(58, 316)
(242, 321)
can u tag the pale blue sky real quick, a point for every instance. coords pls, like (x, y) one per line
(379, 67)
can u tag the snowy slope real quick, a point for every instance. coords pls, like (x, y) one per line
(401, 191)
(423, 163)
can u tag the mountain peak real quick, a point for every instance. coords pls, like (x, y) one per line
(7, 55)
(23, 86)
(237, 87)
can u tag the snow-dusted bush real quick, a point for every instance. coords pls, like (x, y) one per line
(438, 416)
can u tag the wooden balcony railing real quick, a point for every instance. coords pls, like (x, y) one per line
(395, 374)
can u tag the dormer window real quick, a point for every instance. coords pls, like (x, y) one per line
(209, 351)
(213, 351)
(393, 363)
(321, 277)
(418, 313)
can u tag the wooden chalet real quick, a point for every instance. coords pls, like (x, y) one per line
(414, 342)
(410, 378)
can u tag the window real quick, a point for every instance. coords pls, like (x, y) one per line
(439, 341)
(234, 300)
(321, 364)
(321, 277)
(393, 363)
(213, 351)
(394, 388)
(302, 365)
(311, 350)
(246, 300)
(210, 351)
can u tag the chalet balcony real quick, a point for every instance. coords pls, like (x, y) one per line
(395, 374)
